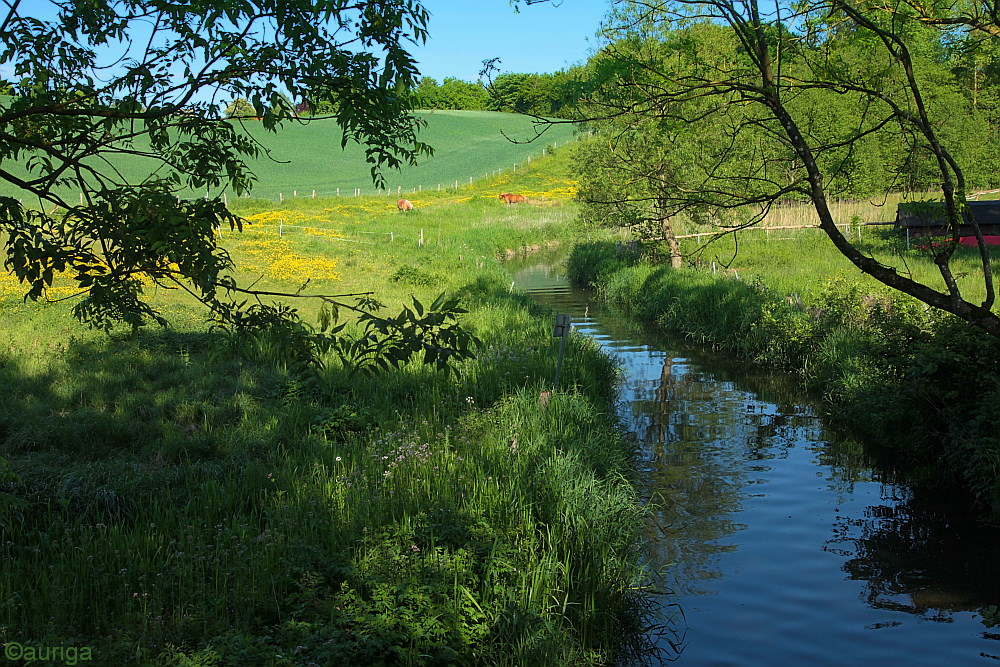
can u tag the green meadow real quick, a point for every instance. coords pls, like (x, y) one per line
(179, 496)
(306, 158)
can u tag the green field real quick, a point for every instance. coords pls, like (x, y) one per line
(306, 157)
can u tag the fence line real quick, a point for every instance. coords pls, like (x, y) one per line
(392, 235)
(973, 195)
(846, 225)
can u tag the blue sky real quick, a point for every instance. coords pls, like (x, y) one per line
(543, 37)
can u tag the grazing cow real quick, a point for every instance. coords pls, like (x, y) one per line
(513, 199)
(404, 205)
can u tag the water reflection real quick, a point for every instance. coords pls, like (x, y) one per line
(777, 540)
(920, 556)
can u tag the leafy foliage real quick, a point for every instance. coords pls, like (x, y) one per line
(433, 336)
(278, 333)
(126, 237)
(85, 94)
(240, 108)
(722, 110)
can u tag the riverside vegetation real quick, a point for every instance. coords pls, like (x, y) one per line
(920, 387)
(186, 496)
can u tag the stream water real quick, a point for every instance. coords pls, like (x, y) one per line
(776, 543)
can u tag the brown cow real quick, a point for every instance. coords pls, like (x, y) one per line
(404, 205)
(512, 199)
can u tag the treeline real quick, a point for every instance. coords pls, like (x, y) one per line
(535, 94)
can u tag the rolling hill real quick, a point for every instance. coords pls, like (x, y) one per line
(307, 156)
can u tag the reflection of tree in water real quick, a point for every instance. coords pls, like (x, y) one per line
(705, 440)
(926, 555)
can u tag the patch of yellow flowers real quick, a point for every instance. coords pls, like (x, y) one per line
(559, 189)
(10, 287)
(287, 217)
(273, 256)
(62, 285)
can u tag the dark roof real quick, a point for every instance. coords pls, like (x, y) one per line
(932, 214)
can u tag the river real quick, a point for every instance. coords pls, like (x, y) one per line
(776, 543)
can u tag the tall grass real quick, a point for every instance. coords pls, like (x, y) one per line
(168, 501)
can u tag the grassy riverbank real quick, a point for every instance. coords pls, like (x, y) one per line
(918, 386)
(165, 500)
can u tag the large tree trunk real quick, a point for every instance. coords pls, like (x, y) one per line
(663, 213)
(676, 259)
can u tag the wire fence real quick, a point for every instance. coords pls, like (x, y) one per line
(281, 227)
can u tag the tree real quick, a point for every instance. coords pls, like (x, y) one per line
(92, 81)
(457, 94)
(642, 152)
(539, 95)
(785, 61)
(240, 109)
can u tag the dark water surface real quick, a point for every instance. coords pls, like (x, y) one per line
(781, 547)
